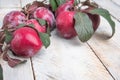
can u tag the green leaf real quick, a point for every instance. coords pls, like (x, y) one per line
(56, 3)
(76, 2)
(59, 2)
(31, 25)
(53, 4)
(104, 13)
(8, 36)
(45, 39)
(1, 73)
(83, 26)
(21, 25)
(41, 21)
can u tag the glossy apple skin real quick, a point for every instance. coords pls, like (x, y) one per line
(65, 24)
(46, 14)
(64, 7)
(14, 18)
(37, 26)
(94, 17)
(25, 42)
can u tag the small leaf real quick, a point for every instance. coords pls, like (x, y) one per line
(45, 39)
(1, 73)
(14, 62)
(56, 3)
(59, 2)
(83, 26)
(31, 25)
(53, 4)
(76, 2)
(8, 36)
(41, 21)
(21, 25)
(104, 13)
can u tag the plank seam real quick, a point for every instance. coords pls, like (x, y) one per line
(110, 14)
(32, 69)
(115, 18)
(115, 3)
(101, 62)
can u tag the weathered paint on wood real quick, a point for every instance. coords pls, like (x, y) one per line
(70, 59)
(111, 5)
(9, 3)
(107, 50)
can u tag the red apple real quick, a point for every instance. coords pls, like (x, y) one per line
(46, 14)
(65, 24)
(37, 26)
(14, 18)
(25, 42)
(64, 7)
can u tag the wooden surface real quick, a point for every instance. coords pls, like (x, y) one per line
(97, 59)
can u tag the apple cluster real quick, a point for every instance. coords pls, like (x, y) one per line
(65, 21)
(32, 25)
(25, 40)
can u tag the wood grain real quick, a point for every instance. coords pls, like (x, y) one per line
(68, 60)
(117, 2)
(9, 3)
(111, 6)
(21, 72)
(107, 50)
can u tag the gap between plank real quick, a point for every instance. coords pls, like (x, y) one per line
(32, 69)
(115, 18)
(110, 14)
(115, 3)
(101, 62)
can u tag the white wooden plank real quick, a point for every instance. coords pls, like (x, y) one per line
(117, 2)
(68, 60)
(22, 72)
(24, 2)
(9, 3)
(110, 6)
(108, 50)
